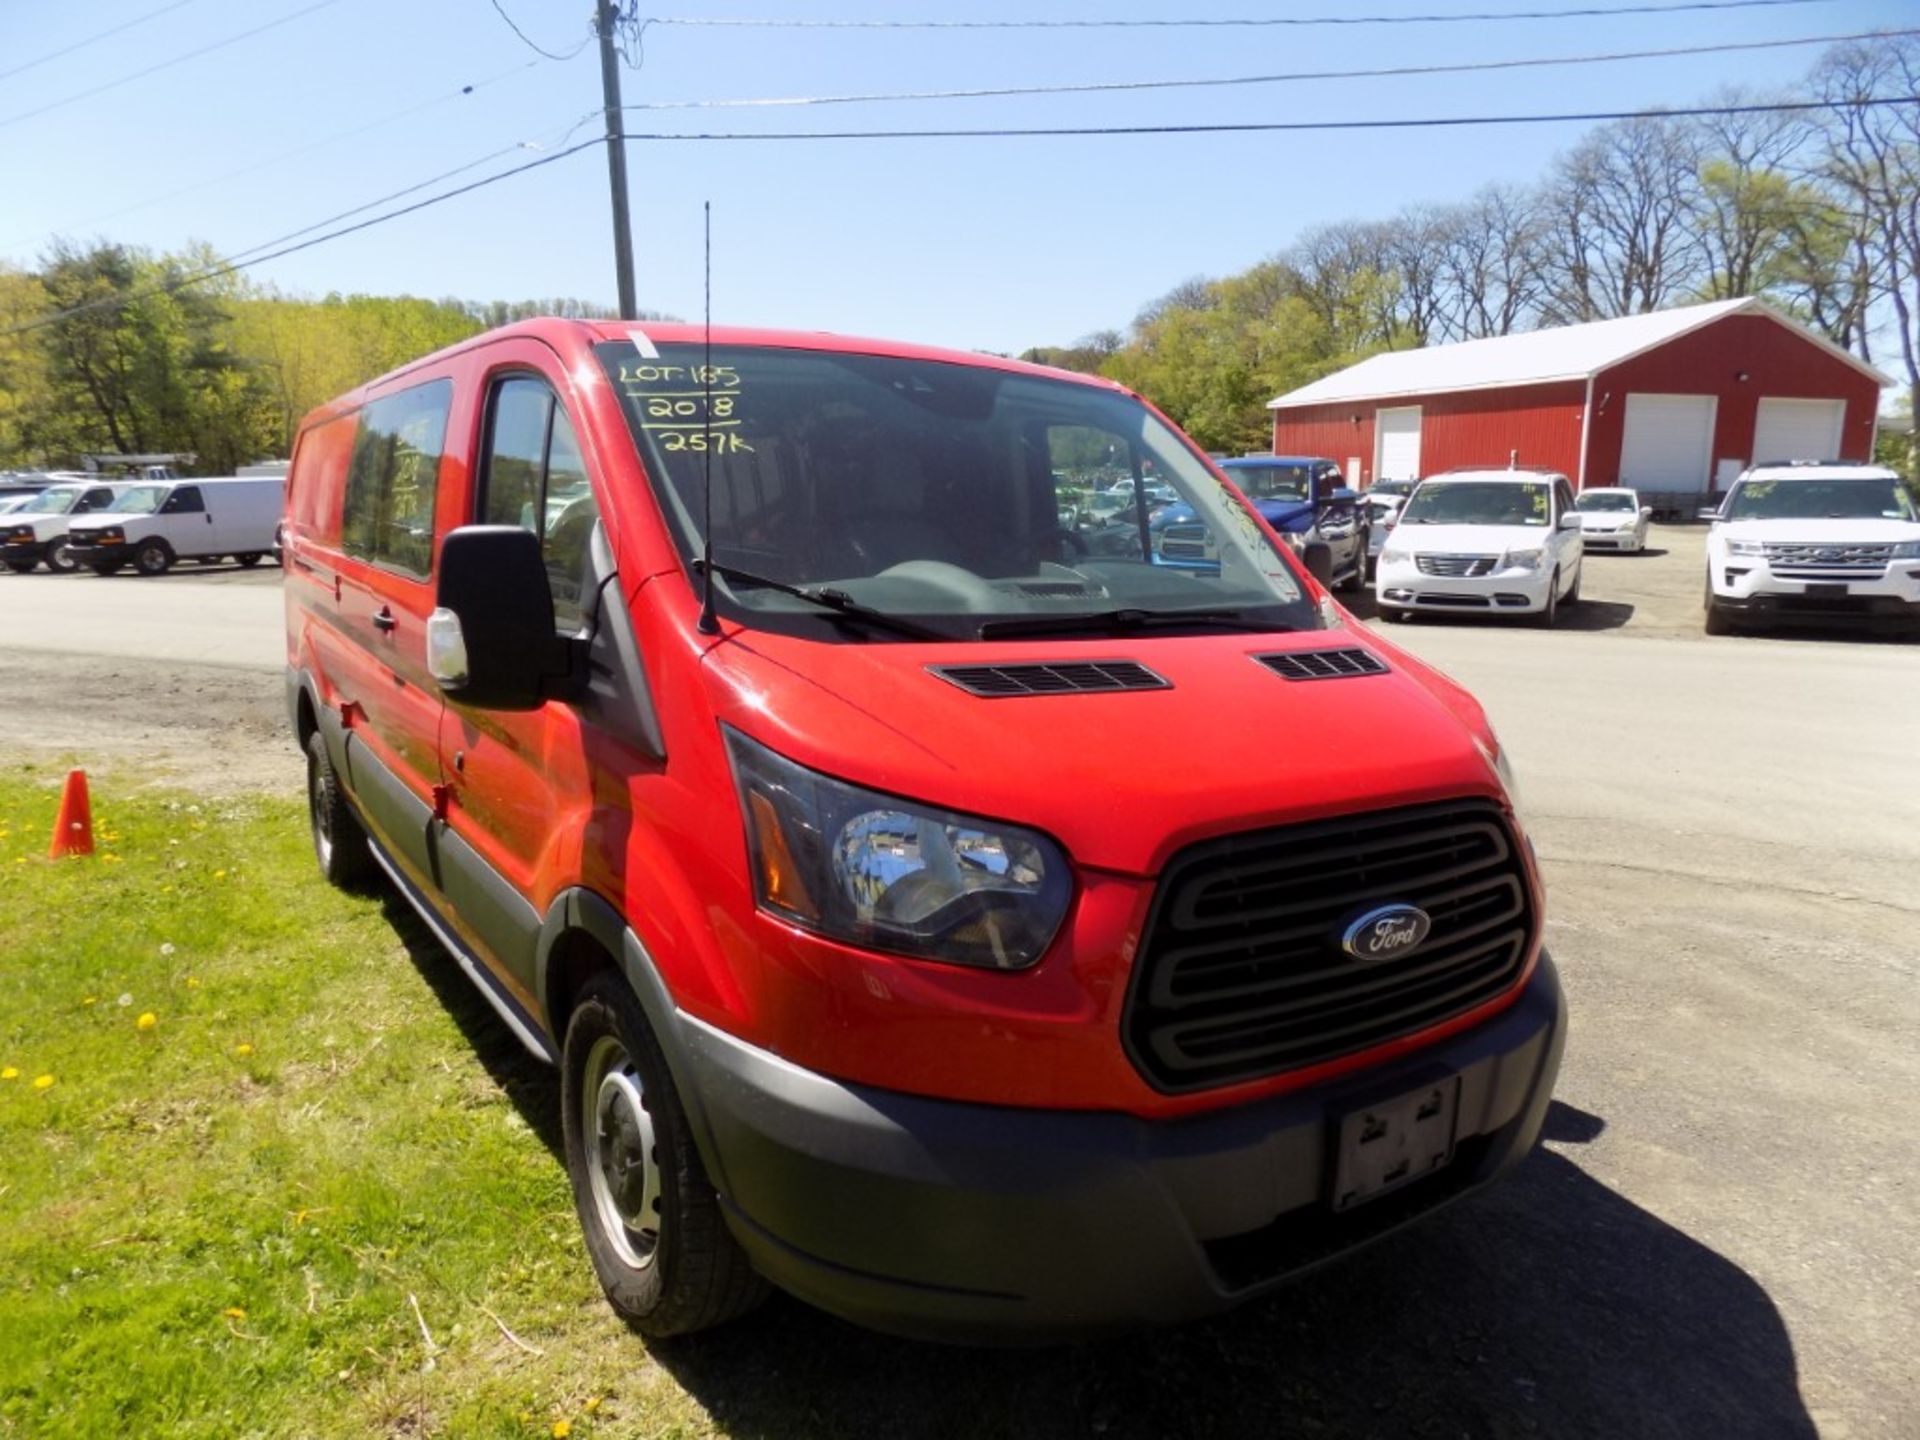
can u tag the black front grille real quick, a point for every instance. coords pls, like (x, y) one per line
(1062, 678)
(1456, 565)
(1243, 974)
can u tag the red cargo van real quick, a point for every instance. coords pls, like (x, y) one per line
(935, 906)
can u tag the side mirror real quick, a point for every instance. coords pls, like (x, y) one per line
(1707, 512)
(1317, 555)
(491, 641)
(1646, 512)
(1569, 521)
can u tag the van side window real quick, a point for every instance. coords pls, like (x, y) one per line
(185, 500)
(534, 477)
(388, 513)
(93, 500)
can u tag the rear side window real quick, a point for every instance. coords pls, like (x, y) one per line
(185, 500)
(535, 478)
(388, 514)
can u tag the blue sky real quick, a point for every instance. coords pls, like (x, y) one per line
(989, 244)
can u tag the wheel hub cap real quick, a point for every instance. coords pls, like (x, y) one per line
(622, 1164)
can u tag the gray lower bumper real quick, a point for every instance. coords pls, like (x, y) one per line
(977, 1223)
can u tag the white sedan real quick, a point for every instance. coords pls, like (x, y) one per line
(1612, 519)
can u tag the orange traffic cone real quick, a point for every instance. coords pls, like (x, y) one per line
(73, 831)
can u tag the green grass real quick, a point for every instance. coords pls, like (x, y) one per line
(213, 1224)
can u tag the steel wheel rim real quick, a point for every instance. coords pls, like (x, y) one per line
(151, 559)
(623, 1167)
(317, 813)
(60, 560)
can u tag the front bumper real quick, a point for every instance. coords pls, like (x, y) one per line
(97, 553)
(1611, 539)
(1748, 586)
(976, 1223)
(1511, 591)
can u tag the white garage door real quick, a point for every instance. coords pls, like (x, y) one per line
(1668, 443)
(1798, 430)
(1396, 443)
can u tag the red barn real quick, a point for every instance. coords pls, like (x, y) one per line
(1675, 402)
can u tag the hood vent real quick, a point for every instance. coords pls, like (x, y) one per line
(1068, 677)
(1323, 664)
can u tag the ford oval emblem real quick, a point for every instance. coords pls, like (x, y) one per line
(1384, 933)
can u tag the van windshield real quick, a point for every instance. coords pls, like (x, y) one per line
(1478, 502)
(1866, 499)
(140, 500)
(56, 501)
(952, 495)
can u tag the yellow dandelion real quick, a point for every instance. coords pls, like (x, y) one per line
(193, 982)
(243, 1049)
(109, 859)
(41, 1082)
(592, 1406)
(147, 1020)
(9, 1073)
(89, 999)
(219, 874)
(234, 1312)
(562, 1429)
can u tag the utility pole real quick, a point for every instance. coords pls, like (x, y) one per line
(616, 159)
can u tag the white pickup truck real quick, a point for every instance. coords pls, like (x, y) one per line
(1815, 541)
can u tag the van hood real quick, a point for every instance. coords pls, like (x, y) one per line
(1121, 779)
(1468, 539)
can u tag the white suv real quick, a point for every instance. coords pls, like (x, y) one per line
(1822, 541)
(1506, 541)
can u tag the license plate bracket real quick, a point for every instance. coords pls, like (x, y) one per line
(1384, 1146)
(1826, 591)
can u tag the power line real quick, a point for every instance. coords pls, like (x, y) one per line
(532, 44)
(155, 69)
(1276, 126)
(1395, 71)
(1427, 122)
(282, 156)
(1186, 22)
(93, 39)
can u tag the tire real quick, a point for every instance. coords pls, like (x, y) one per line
(1716, 622)
(250, 559)
(22, 567)
(630, 1156)
(60, 559)
(105, 567)
(1573, 595)
(154, 557)
(1357, 580)
(1549, 615)
(1392, 614)
(339, 841)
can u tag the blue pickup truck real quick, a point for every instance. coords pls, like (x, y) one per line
(1303, 497)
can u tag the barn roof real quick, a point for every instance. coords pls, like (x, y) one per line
(1565, 352)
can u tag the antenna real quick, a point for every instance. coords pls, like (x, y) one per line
(709, 625)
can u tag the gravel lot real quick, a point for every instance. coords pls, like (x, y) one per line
(1721, 1235)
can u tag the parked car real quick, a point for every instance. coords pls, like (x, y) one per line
(151, 525)
(1612, 518)
(35, 532)
(1302, 497)
(1502, 541)
(1817, 541)
(920, 913)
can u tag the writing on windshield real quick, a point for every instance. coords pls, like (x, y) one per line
(1478, 502)
(1863, 499)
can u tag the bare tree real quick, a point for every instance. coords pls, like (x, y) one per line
(1491, 263)
(1872, 158)
(1619, 237)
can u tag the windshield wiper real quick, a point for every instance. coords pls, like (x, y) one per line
(1120, 621)
(837, 601)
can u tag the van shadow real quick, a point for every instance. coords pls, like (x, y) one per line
(532, 1087)
(1546, 1305)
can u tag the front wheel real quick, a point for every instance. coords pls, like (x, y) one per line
(1549, 614)
(659, 1246)
(250, 559)
(1392, 614)
(153, 557)
(60, 559)
(1716, 620)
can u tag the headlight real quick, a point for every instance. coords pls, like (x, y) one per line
(1625, 525)
(1907, 550)
(1496, 755)
(1521, 560)
(1746, 547)
(1392, 555)
(886, 874)
(20, 535)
